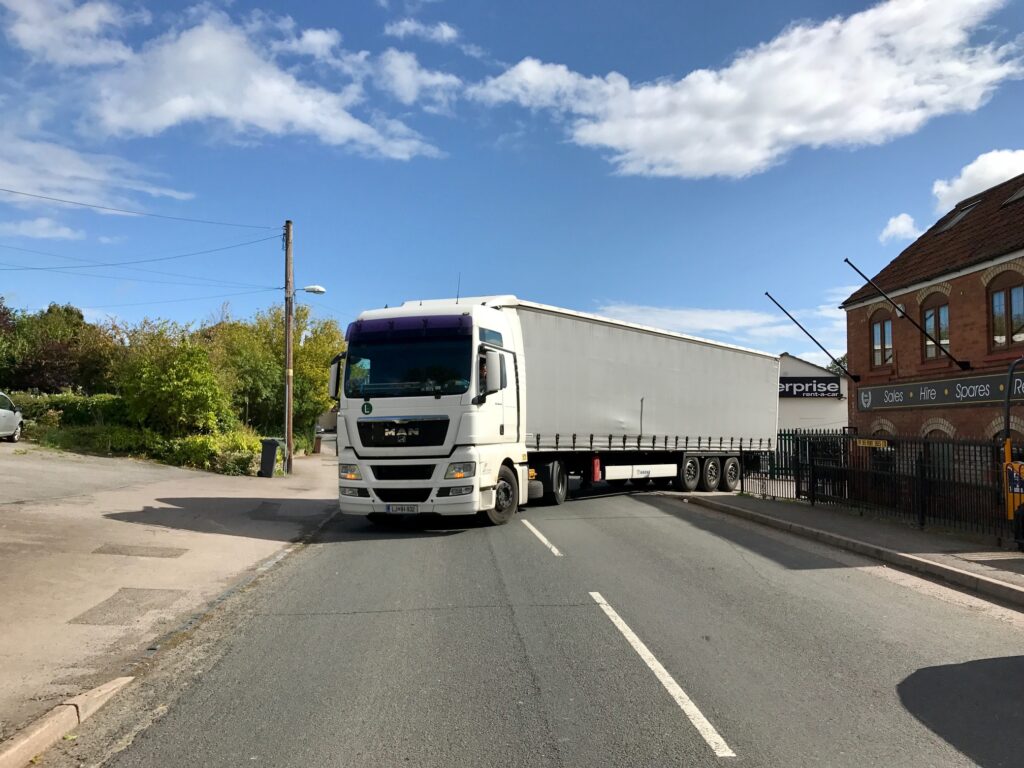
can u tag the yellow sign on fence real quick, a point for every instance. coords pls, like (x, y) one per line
(866, 443)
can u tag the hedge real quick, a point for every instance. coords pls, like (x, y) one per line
(73, 410)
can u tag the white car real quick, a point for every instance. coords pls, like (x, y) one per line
(10, 420)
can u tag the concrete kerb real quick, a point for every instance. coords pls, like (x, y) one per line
(51, 727)
(1007, 593)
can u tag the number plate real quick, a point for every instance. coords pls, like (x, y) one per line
(402, 509)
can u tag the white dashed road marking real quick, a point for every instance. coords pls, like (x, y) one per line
(543, 539)
(701, 723)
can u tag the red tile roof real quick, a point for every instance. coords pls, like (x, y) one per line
(989, 230)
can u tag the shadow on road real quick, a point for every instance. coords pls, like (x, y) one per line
(350, 528)
(976, 707)
(255, 518)
(789, 556)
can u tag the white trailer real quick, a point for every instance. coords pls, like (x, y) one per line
(482, 404)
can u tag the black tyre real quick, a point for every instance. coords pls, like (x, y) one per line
(506, 498)
(556, 485)
(730, 475)
(710, 474)
(17, 434)
(689, 474)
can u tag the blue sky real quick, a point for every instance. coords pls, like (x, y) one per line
(663, 162)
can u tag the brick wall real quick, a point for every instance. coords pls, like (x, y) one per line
(968, 340)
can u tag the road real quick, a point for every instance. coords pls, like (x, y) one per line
(660, 634)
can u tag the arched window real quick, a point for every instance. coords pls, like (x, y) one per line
(1006, 310)
(881, 339)
(935, 321)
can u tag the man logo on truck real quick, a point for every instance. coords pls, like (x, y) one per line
(400, 434)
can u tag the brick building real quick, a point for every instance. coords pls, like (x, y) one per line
(963, 281)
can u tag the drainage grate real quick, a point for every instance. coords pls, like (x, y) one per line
(139, 550)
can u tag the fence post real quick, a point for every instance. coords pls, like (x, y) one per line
(813, 490)
(921, 485)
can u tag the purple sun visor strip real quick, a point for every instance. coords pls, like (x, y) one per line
(399, 328)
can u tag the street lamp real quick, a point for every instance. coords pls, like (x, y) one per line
(289, 319)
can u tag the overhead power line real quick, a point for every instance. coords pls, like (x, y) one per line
(137, 261)
(135, 213)
(198, 280)
(176, 301)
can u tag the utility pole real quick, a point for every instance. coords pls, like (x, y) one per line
(289, 309)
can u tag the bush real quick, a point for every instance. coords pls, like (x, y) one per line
(232, 453)
(74, 410)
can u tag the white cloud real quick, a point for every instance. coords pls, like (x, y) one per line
(42, 228)
(901, 227)
(400, 74)
(983, 172)
(860, 80)
(54, 170)
(318, 43)
(66, 33)
(747, 327)
(215, 71)
(442, 32)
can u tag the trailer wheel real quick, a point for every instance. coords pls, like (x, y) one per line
(710, 474)
(689, 474)
(506, 498)
(730, 475)
(556, 484)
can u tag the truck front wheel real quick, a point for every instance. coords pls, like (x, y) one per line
(506, 498)
(710, 474)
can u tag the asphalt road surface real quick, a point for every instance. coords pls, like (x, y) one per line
(619, 630)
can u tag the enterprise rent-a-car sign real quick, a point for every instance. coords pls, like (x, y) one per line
(809, 386)
(968, 390)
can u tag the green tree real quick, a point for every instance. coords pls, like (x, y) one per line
(835, 368)
(53, 350)
(169, 383)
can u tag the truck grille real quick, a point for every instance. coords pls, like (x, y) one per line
(412, 432)
(402, 494)
(403, 471)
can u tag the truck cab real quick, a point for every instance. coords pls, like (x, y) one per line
(431, 415)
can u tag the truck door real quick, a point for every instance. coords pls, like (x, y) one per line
(509, 398)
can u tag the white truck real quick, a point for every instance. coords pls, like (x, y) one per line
(479, 405)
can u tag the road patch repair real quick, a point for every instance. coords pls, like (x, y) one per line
(92, 572)
(962, 564)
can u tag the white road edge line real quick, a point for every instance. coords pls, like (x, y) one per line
(701, 723)
(543, 538)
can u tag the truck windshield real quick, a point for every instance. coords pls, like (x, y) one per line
(438, 365)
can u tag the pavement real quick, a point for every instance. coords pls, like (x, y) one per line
(615, 630)
(98, 556)
(948, 551)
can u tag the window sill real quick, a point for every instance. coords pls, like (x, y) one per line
(1003, 355)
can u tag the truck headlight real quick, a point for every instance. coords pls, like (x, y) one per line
(349, 491)
(349, 472)
(461, 490)
(460, 469)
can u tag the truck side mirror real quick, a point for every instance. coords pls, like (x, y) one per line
(493, 362)
(334, 382)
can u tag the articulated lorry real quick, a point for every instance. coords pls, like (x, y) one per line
(480, 405)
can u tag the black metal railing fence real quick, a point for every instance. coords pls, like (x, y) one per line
(954, 484)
